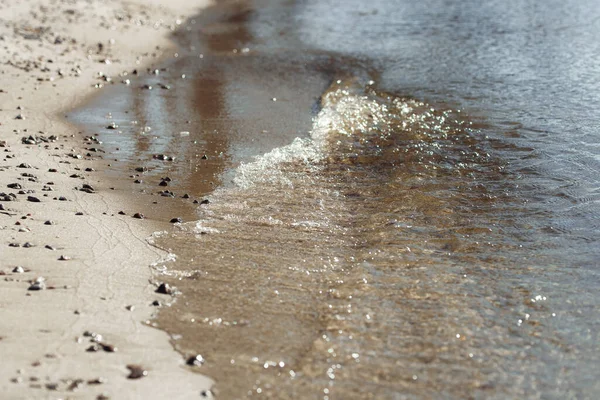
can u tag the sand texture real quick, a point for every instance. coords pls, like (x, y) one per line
(59, 223)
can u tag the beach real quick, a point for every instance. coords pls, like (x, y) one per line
(76, 287)
(299, 199)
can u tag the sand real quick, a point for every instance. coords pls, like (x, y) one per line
(53, 56)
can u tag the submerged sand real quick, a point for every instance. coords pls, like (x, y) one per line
(60, 222)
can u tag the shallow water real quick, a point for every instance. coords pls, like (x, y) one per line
(403, 198)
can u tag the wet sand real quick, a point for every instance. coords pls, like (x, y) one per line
(76, 287)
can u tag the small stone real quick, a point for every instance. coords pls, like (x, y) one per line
(18, 270)
(196, 360)
(122, 213)
(50, 247)
(109, 348)
(64, 258)
(24, 165)
(97, 381)
(185, 196)
(164, 288)
(112, 125)
(79, 213)
(176, 220)
(27, 245)
(14, 186)
(156, 303)
(129, 308)
(38, 284)
(93, 348)
(52, 170)
(163, 183)
(139, 216)
(49, 222)
(33, 199)
(136, 371)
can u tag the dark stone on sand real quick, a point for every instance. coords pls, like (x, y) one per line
(14, 245)
(14, 186)
(204, 157)
(39, 284)
(205, 201)
(8, 197)
(87, 188)
(185, 196)
(89, 170)
(195, 361)
(28, 245)
(109, 348)
(163, 183)
(62, 198)
(122, 213)
(164, 288)
(49, 222)
(156, 303)
(97, 381)
(75, 176)
(147, 87)
(33, 199)
(141, 169)
(18, 270)
(136, 371)
(49, 247)
(176, 220)
(139, 216)
(138, 181)
(79, 213)
(93, 348)
(64, 258)
(24, 165)
(207, 394)
(112, 125)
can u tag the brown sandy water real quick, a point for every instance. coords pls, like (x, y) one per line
(360, 242)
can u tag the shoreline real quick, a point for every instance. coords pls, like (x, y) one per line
(96, 266)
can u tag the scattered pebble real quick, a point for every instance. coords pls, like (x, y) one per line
(139, 216)
(18, 270)
(64, 258)
(164, 288)
(176, 220)
(33, 199)
(136, 371)
(196, 360)
(38, 284)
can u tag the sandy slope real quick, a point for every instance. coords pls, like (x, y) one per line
(52, 52)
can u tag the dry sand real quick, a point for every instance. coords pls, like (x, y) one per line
(52, 52)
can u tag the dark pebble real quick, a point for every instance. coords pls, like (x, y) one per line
(205, 201)
(156, 303)
(14, 186)
(163, 183)
(185, 196)
(79, 213)
(139, 216)
(196, 360)
(52, 170)
(112, 125)
(49, 222)
(164, 288)
(49, 247)
(93, 348)
(28, 245)
(33, 199)
(122, 213)
(176, 220)
(136, 371)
